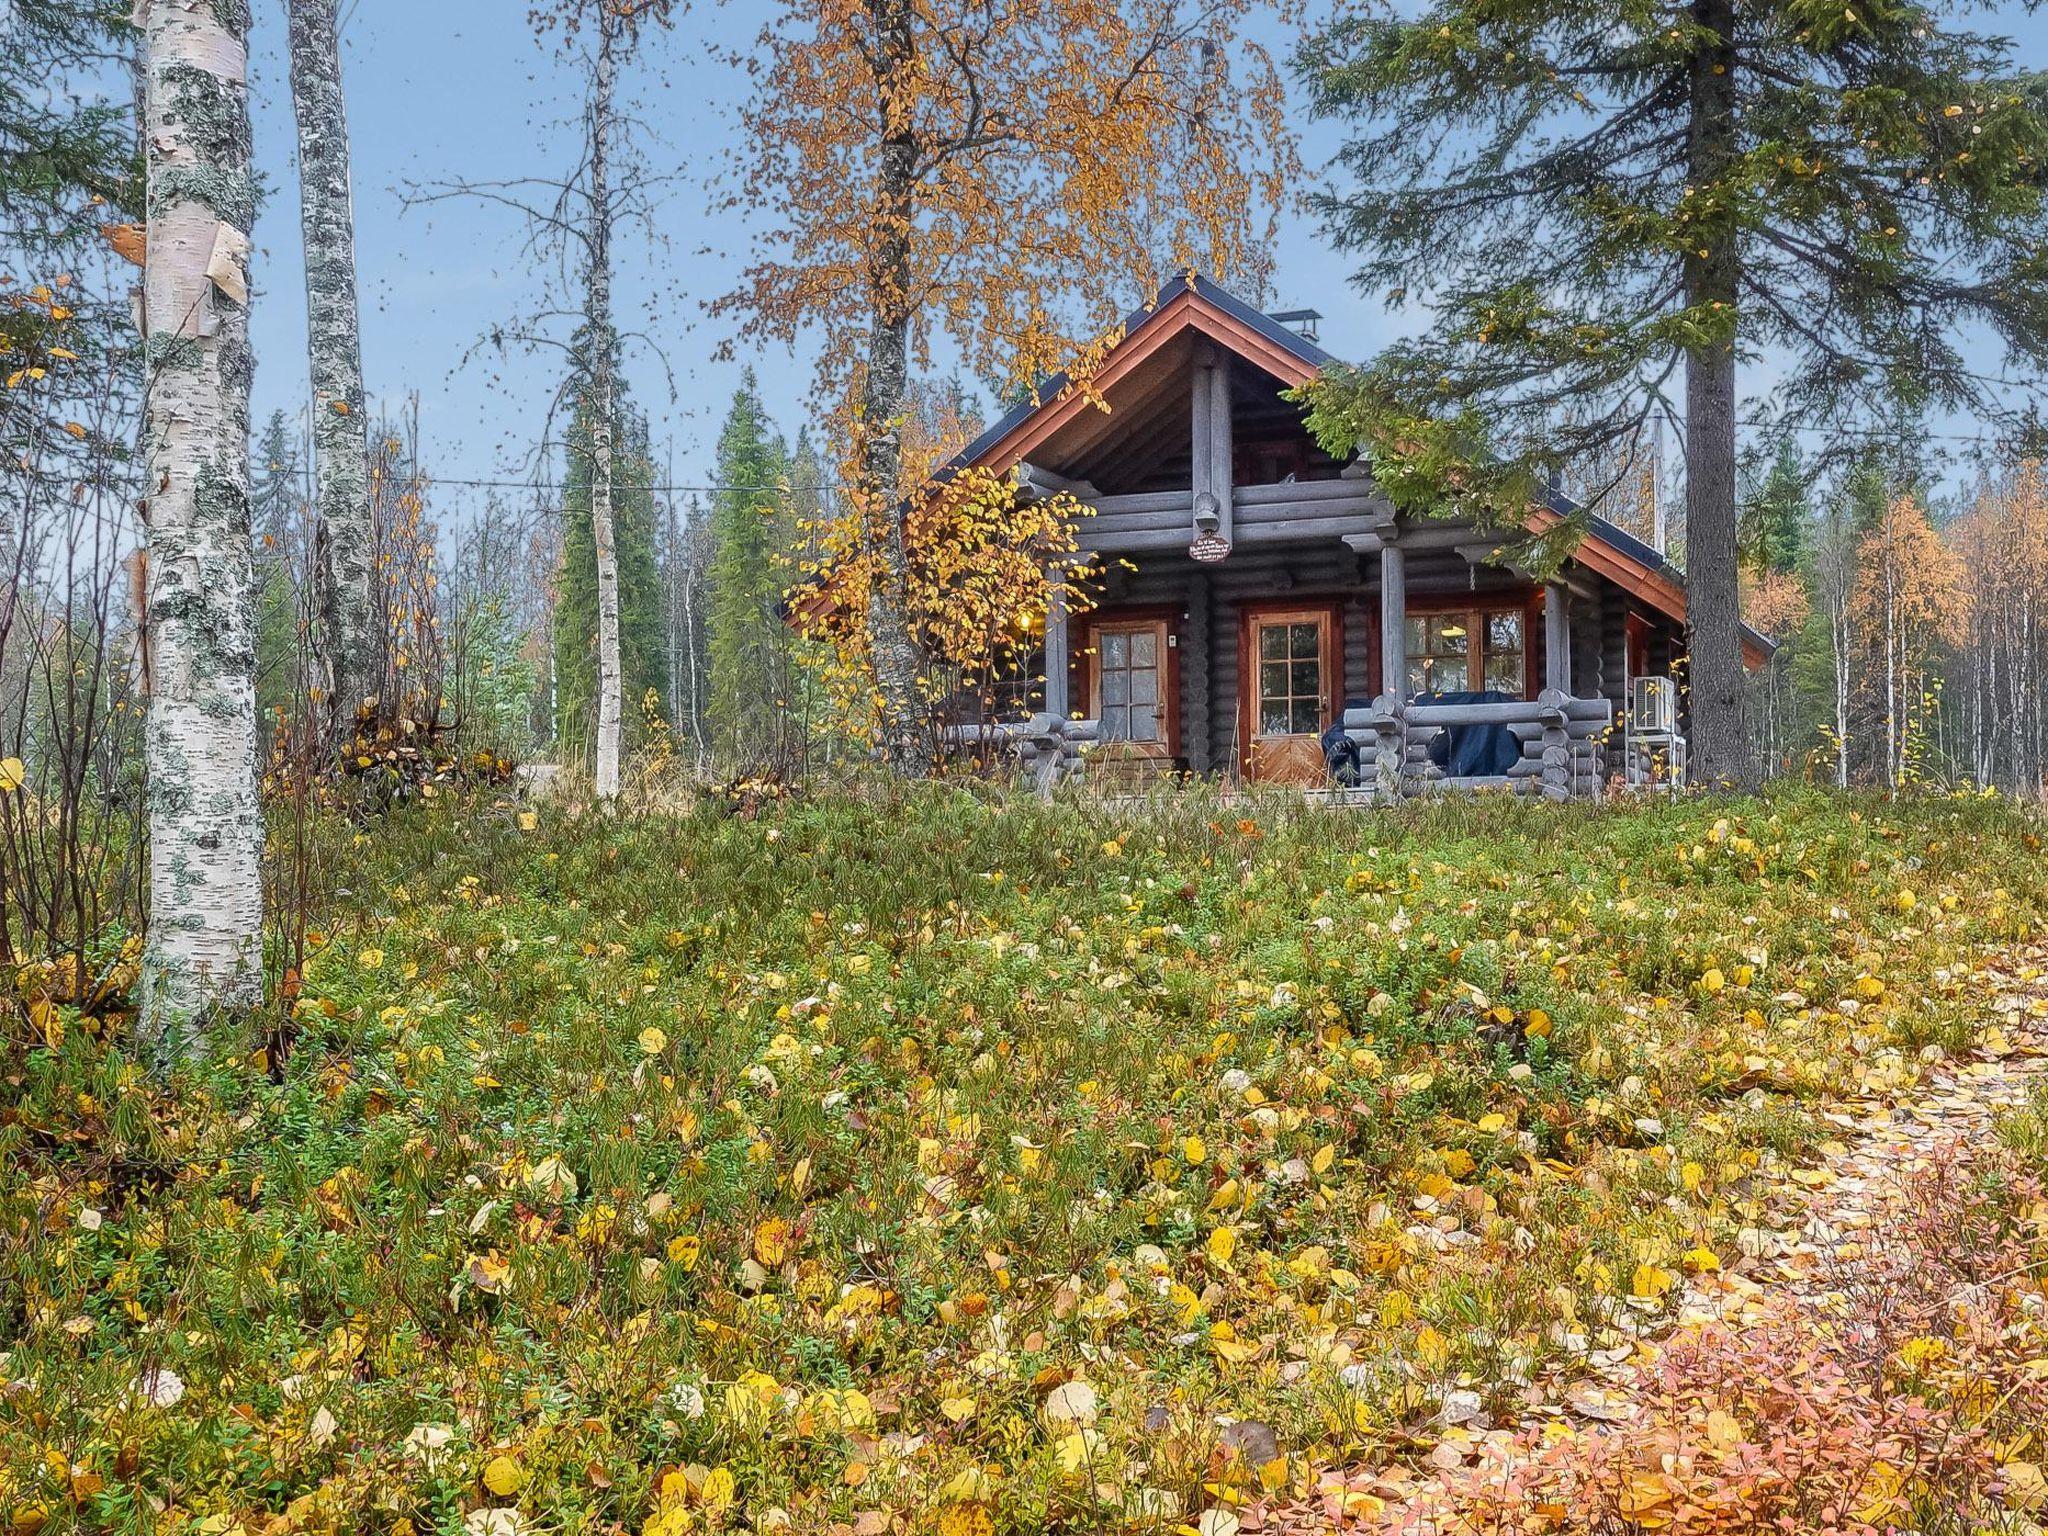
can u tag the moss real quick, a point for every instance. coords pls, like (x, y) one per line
(172, 352)
(212, 113)
(231, 194)
(233, 15)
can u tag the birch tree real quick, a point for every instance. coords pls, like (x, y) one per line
(345, 633)
(204, 952)
(600, 344)
(580, 215)
(1909, 604)
(1834, 574)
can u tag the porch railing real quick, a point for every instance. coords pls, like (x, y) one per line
(1563, 740)
(1044, 748)
(1563, 746)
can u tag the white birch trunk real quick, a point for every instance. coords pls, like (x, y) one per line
(610, 705)
(345, 638)
(205, 946)
(1892, 740)
(1839, 579)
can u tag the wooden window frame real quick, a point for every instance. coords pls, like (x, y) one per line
(1167, 618)
(1635, 642)
(1327, 611)
(1475, 606)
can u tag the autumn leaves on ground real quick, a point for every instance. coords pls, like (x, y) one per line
(932, 1165)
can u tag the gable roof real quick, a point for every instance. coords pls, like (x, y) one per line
(1192, 303)
(1188, 303)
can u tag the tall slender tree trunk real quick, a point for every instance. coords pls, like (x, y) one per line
(205, 947)
(603, 349)
(1892, 749)
(693, 644)
(1720, 752)
(344, 636)
(884, 384)
(1838, 640)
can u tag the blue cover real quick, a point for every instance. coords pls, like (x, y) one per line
(1473, 751)
(1462, 751)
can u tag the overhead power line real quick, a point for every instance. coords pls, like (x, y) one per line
(551, 485)
(1980, 438)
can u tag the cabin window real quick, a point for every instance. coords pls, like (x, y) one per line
(1290, 678)
(1129, 673)
(1468, 650)
(1506, 655)
(1439, 652)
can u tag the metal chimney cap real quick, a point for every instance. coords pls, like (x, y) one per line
(1302, 320)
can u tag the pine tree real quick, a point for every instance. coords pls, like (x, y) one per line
(745, 631)
(642, 657)
(1593, 197)
(69, 164)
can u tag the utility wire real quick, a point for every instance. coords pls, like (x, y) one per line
(433, 479)
(1980, 438)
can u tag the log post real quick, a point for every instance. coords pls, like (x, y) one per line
(1557, 747)
(1557, 638)
(1393, 619)
(1390, 733)
(1212, 451)
(1194, 674)
(1057, 648)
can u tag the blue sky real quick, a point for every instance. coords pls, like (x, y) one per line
(440, 89)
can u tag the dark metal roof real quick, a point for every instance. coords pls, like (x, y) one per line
(1050, 386)
(1636, 549)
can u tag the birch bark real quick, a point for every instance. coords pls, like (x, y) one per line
(603, 346)
(345, 636)
(204, 951)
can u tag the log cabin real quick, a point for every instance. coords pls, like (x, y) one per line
(1265, 614)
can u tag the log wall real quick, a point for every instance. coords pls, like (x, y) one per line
(1210, 599)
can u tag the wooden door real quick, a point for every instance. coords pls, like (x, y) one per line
(1133, 689)
(1291, 691)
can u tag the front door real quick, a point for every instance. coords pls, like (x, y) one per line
(1131, 686)
(1292, 666)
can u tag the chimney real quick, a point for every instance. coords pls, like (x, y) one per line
(1301, 321)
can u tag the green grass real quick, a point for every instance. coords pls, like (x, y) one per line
(867, 1124)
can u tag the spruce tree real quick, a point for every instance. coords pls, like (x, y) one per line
(642, 656)
(1775, 517)
(745, 629)
(278, 526)
(1596, 199)
(69, 164)
(63, 141)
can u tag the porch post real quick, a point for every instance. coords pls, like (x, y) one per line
(1393, 620)
(1057, 650)
(1557, 638)
(1210, 443)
